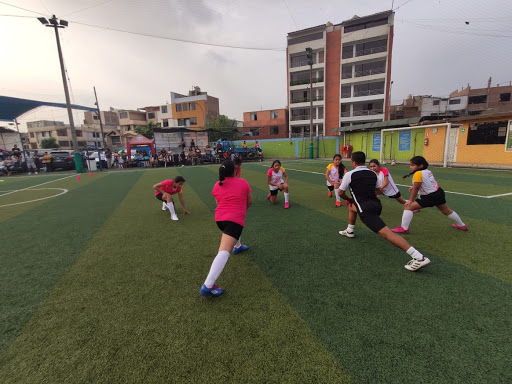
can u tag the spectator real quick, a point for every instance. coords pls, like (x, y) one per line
(16, 151)
(37, 160)
(182, 145)
(244, 145)
(108, 155)
(123, 159)
(192, 144)
(3, 167)
(47, 161)
(256, 144)
(116, 159)
(30, 163)
(103, 159)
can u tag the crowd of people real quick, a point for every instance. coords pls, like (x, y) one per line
(18, 161)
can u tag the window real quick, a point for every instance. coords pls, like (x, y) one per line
(151, 115)
(64, 143)
(78, 133)
(123, 115)
(368, 69)
(163, 108)
(254, 116)
(505, 96)
(345, 110)
(181, 122)
(346, 91)
(192, 106)
(31, 134)
(82, 143)
(193, 121)
(371, 47)
(255, 131)
(454, 101)
(185, 107)
(274, 130)
(303, 39)
(366, 25)
(298, 61)
(487, 133)
(273, 115)
(178, 107)
(321, 56)
(347, 52)
(477, 99)
(166, 123)
(435, 102)
(369, 89)
(95, 117)
(116, 140)
(346, 71)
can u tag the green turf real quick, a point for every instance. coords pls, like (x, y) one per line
(302, 305)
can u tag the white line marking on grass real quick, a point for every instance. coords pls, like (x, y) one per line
(31, 201)
(403, 185)
(37, 185)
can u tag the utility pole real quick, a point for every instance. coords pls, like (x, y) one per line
(310, 62)
(56, 24)
(99, 116)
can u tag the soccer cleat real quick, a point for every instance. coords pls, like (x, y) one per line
(415, 264)
(400, 230)
(35, 173)
(330, 194)
(164, 207)
(338, 204)
(268, 196)
(240, 249)
(30, 173)
(461, 227)
(346, 233)
(174, 217)
(213, 291)
(286, 205)
(415, 210)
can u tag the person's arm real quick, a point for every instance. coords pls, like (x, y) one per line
(158, 187)
(327, 176)
(414, 193)
(344, 196)
(249, 199)
(182, 201)
(269, 181)
(285, 175)
(385, 183)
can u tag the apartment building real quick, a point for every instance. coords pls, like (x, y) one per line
(128, 120)
(195, 109)
(495, 99)
(111, 130)
(43, 129)
(350, 73)
(428, 105)
(165, 118)
(268, 124)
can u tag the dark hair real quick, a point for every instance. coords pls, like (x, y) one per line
(237, 161)
(336, 155)
(179, 179)
(358, 157)
(417, 160)
(276, 161)
(227, 169)
(375, 161)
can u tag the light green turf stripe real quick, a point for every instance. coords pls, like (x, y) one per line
(129, 311)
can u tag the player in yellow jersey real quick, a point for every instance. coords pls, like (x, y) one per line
(277, 180)
(333, 174)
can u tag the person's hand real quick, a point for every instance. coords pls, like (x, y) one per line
(186, 212)
(284, 185)
(410, 189)
(407, 204)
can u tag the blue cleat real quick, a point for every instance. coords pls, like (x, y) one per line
(213, 291)
(238, 250)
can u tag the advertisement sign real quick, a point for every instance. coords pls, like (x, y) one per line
(167, 139)
(404, 141)
(508, 142)
(376, 142)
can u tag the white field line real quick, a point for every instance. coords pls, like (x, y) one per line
(402, 185)
(37, 185)
(43, 198)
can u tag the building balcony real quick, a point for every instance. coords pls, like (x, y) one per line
(306, 99)
(369, 92)
(302, 82)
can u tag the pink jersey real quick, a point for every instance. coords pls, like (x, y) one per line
(231, 200)
(391, 189)
(167, 187)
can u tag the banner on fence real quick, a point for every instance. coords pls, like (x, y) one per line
(404, 141)
(376, 142)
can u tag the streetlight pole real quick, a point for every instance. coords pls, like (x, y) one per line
(56, 24)
(310, 62)
(99, 116)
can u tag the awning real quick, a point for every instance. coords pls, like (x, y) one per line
(12, 107)
(379, 125)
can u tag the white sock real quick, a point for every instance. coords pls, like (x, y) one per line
(407, 218)
(286, 197)
(453, 216)
(217, 266)
(351, 227)
(338, 197)
(171, 208)
(414, 253)
(239, 242)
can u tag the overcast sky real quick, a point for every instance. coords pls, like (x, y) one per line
(434, 53)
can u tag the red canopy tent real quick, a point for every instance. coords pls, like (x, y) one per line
(140, 141)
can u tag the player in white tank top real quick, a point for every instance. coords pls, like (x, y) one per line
(387, 185)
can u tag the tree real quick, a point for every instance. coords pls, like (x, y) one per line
(146, 130)
(49, 143)
(223, 128)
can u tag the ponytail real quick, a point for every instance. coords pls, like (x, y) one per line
(227, 169)
(419, 161)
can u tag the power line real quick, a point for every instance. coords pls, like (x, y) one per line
(398, 7)
(293, 19)
(28, 10)
(84, 9)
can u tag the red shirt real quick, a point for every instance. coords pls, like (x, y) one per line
(167, 187)
(231, 200)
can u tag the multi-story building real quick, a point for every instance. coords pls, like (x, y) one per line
(194, 111)
(165, 116)
(489, 100)
(350, 73)
(152, 114)
(269, 124)
(421, 106)
(110, 122)
(43, 129)
(128, 120)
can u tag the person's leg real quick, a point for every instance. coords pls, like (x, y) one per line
(400, 199)
(286, 198)
(407, 217)
(330, 188)
(418, 260)
(452, 215)
(352, 217)
(226, 245)
(239, 247)
(170, 206)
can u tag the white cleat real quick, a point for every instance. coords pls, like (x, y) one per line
(346, 233)
(414, 264)
(164, 207)
(174, 217)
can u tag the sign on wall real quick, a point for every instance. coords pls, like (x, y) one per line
(167, 139)
(508, 142)
(404, 141)
(376, 142)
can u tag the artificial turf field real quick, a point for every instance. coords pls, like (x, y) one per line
(99, 285)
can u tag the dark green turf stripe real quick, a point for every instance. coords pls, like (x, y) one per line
(59, 229)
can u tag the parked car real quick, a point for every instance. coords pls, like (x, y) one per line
(62, 160)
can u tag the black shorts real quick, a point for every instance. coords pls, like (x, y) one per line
(370, 215)
(395, 196)
(432, 199)
(159, 197)
(274, 192)
(230, 228)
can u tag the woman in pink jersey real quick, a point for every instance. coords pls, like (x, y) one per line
(233, 196)
(164, 192)
(387, 185)
(430, 195)
(277, 180)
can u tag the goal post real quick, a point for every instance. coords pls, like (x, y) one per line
(399, 145)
